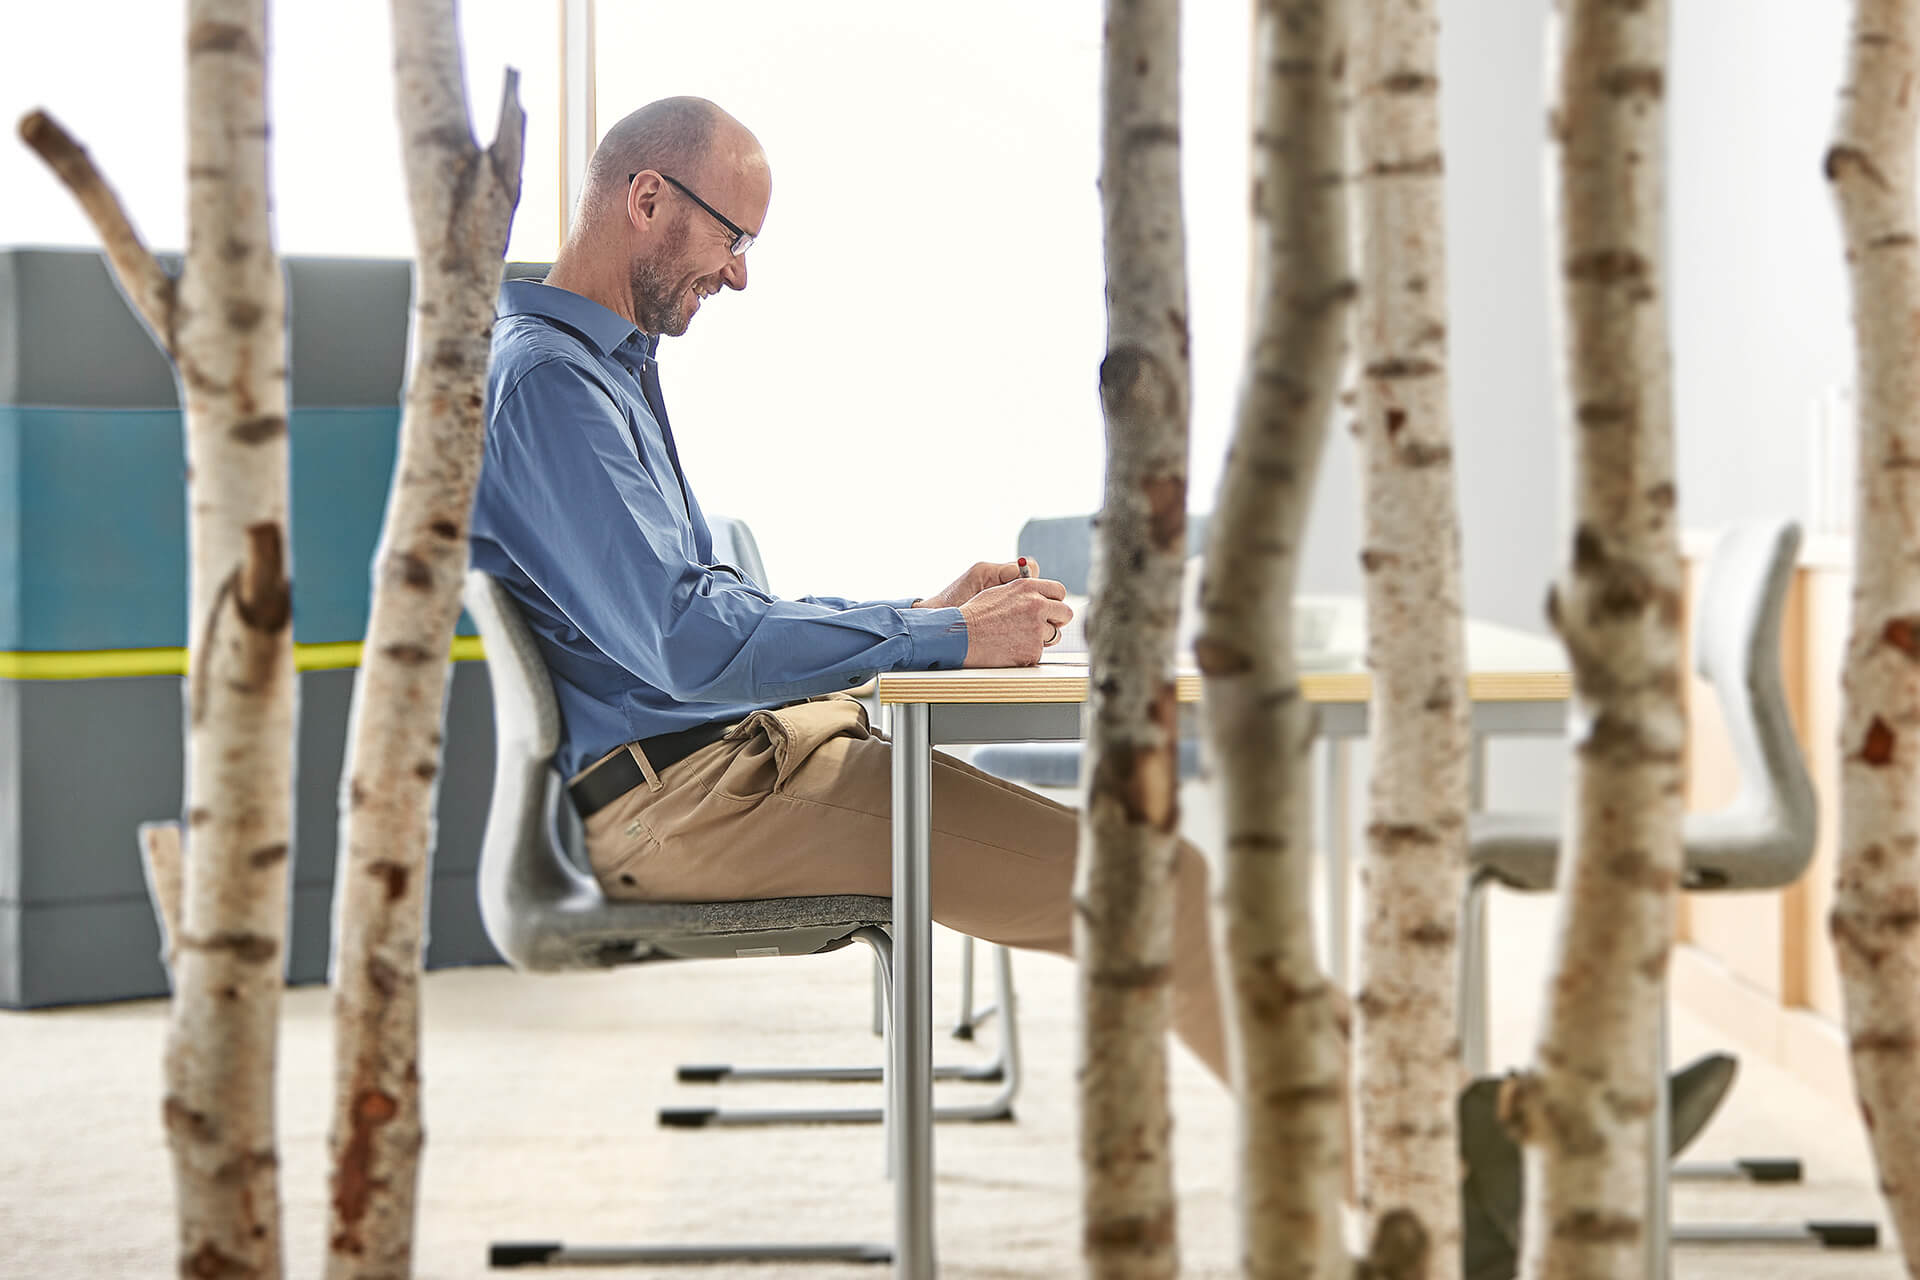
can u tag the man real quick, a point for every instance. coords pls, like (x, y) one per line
(705, 745)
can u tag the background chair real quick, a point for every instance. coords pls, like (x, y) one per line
(1762, 840)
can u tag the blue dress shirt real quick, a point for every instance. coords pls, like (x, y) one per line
(584, 516)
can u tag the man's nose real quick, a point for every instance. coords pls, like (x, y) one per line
(735, 274)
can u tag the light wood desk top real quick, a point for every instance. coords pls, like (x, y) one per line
(1503, 665)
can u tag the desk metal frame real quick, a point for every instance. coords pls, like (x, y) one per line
(959, 707)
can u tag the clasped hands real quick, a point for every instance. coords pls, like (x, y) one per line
(1010, 617)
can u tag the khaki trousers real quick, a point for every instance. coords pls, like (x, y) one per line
(797, 801)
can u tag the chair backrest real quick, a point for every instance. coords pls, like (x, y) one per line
(541, 912)
(733, 544)
(1765, 837)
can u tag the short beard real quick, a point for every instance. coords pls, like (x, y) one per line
(656, 302)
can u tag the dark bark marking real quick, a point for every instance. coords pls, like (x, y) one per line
(383, 978)
(414, 571)
(1396, 420)
(259, 430)
(1218, 658)
(1903, 633)
(1603, 414)
(220, 37)
(1608, 266)
(1141, 135)
(1398, 1250)
(209, 1262)
(183, 1122)
(1628, 82)
(408, 655)
(1403, 367)
(244, 314)
(356, 794)
(1431, 933)
(1618, 740)
(265, 856)
(1131, 1234)
(248, 948)
(426, 770)
(1372, 561)
(1166, 511)
(1411, 82)
(244, 1167)
(1588, 1226)
(446, 529)
(1895, 1042)
(353, 1180)
(1893, 240)
(1432, 165)
(1842, 157)
(263, 597)
(199, 815)
(1399, 837)
(234, 250)
(1419, 455)
(1877, 749)
(394, 875)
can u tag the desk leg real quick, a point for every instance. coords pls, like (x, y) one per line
(911, 1077)
(1337, 842)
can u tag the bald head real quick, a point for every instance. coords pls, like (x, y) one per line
(689, 138)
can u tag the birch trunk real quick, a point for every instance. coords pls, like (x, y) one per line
(463, 200)
(1282, 1038)
(1584, 1113)
(223, 323)
(1409, 1059)
(1876, 909)
(1123, 922)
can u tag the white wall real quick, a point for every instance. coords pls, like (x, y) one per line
(111, 71)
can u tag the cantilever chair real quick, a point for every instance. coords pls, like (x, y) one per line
(546, 916)
(1762, 840)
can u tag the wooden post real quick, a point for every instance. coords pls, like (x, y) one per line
(463, 200)
(1875, 921)
(223, 324)
(1584, 1112)
(1283, 1039)
(1408, 1046)
(1123, 922)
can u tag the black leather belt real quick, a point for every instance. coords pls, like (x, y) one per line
(620, 773)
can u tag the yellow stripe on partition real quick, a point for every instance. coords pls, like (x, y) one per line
(106, 664)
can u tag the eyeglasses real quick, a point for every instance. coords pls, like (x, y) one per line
(742, 238)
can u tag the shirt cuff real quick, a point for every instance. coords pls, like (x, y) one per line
(937, 639)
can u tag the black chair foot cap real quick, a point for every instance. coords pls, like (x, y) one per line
(1770, 1170)
(687, 1117)
(522, 1255)
(703, 1073)
(1847, 1235)
(963, 1032)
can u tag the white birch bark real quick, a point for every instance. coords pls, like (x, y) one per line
(1123, 897)
(1406, 1034)
(223, 323)
(1584, 1113)
(463, 200)
(1282, 1038)
(1875, 921)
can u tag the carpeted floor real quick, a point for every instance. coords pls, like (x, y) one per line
(540, 1094)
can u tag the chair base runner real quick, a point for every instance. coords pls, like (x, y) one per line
(1753, 1169)
(1828, 1234)
(718, 1072)
(746, 1117)
(542, 1254)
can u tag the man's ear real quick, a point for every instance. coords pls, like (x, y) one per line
(643, 198)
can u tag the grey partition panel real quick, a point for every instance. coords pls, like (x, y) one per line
(83, 762)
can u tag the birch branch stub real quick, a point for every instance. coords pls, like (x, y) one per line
(1287, 1064)
(161, 855)
(463, 199)
(1583, 1116)
(1875, 919)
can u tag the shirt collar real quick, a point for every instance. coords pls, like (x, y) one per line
(605, 329)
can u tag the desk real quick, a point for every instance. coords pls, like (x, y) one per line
(1517, 683)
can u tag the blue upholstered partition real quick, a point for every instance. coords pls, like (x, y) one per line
(93, 616)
